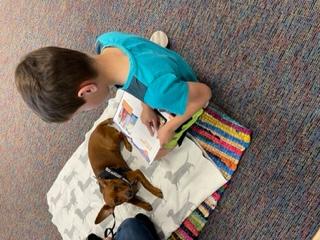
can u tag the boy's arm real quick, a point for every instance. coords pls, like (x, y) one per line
(199, 95)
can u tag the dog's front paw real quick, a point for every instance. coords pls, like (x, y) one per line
(158, 193)
(148, 207)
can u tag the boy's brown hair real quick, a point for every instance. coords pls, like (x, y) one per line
(49, 78)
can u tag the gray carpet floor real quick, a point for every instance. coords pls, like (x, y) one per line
(261, 59)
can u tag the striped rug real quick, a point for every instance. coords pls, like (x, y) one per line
(224, 140)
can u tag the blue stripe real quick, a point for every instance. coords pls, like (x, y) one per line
(220, 164)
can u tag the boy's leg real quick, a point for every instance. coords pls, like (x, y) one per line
(180, 133)
(160, 38)
(182, 129)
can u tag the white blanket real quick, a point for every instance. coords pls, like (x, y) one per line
(185, 177)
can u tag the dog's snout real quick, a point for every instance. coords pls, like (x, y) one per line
(130, 193)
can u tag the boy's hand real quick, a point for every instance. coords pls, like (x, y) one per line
(150, 119)
(165, 134)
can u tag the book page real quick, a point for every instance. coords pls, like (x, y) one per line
(127, 117)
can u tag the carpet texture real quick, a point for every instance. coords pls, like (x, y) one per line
(261, 59)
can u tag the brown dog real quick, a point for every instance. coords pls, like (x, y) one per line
(118, 183)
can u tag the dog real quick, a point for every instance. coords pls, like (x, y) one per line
(118, 183)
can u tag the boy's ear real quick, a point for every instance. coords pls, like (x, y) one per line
(104, 213)
(87, 89)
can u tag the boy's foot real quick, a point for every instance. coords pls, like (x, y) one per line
(160, 38)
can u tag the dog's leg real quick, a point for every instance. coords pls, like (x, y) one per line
(138, 175)
(127, 144)
(140, 203)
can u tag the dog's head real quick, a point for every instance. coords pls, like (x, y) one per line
(115, 192)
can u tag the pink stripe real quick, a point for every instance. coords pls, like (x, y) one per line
(216, 196)
(184, 234)
(231, 124)
(191, 227)
(216, 140)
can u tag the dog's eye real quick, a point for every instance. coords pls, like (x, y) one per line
(116, 201)
(115, 188)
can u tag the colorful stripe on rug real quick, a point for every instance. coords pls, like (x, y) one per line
(224, 140)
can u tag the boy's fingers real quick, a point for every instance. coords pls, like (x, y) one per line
(150, 128)
(155, 124)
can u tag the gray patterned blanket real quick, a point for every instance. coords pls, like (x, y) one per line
(185, 177)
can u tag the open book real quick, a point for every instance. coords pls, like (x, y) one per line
(127, 118)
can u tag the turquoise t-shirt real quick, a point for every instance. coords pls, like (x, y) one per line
(157, 76)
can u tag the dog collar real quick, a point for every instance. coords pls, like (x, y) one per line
(113, 173)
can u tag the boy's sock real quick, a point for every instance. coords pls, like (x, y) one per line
(92, 236)
(160, 38)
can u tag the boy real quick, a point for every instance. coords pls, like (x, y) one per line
(57, 83)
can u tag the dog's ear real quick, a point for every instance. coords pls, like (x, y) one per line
(107, 122)
(127, 144)
(104, 213)
(101, 183)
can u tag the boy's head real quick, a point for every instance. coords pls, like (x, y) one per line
(57, 82)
